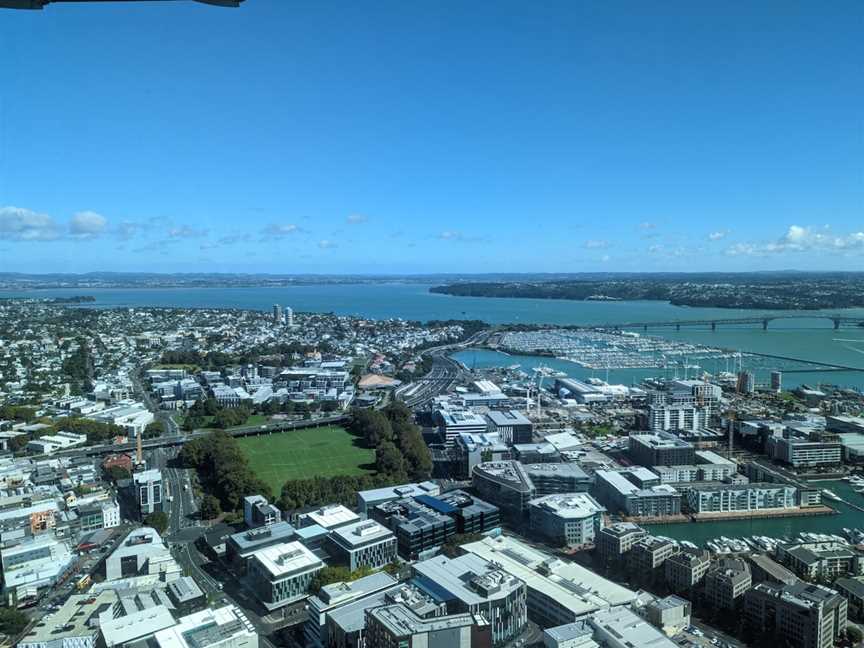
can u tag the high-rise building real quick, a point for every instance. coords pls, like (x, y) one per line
(289, 316)
(148, 491)
(803, 614)
(746, 382)
(277, 314)
(777, 381)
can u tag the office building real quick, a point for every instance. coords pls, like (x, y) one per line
(472, 515)
(225, 627)
(611, 628)
(821, 560)
(365, 543)
(473, 585)
(148, 491)
(346, 626)
(660, 449)
(452, 422)
(726, 582)
(558, 592)
(277, 314)
(803, 615)
(683, 417)
(614, 490)
(803, 453)
(121, 626)
(505, 484)
(714, 498)
(512, 426)
(186, 596)
(746, 382)
(852, 589)
(671, 614)
(646, 558)
(549, 478)
(32, 565)
(616, 540)
(257, 511)
(289, 317)
(686, 569)
(328, 517)
(281, 574)
(239, 547)
(74, 625)
(764, 569)
(368, 499)
(566, 520)
(142, 553)
(777, 381)
(419, 529)
(395, 626)
(336, 596)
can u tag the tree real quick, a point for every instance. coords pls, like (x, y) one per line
(12, 621)
(158, 520)
(388, 459)
(154, 429)
(336, 574)
(371, 425)
(117, 473)
(210, 507)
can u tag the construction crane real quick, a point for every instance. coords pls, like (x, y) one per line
(41, 4)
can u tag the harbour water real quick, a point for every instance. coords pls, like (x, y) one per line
(701, 532)
(810, 338)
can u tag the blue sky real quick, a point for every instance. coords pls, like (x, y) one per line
(411, 137)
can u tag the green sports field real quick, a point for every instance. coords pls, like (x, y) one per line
(324, 451)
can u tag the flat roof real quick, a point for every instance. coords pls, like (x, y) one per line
(251, 538)
(629, 628)
(509, 417)
(469, 578)
(71, 620)
(361, 533)
(205, 628)
(575, 506)
(133, 626)
(286, 558)
(332, 516)
(572, 586)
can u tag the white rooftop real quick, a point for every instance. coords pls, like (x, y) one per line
(360, 533)
(569, 505)
(286, 558)
(332, 516)
(570, 585)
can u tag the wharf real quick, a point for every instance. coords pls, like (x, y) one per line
(726, 516)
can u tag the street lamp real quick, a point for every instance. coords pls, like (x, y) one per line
(41, 4)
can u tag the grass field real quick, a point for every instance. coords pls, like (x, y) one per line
(324, 451)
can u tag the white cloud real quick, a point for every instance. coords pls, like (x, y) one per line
(647, 226)
(596, 244)
(356, 219)
(324, 244)
(87, 225)
(455, 235)
(605, 258)
(801, 239)
(18, 224)
(718, 235)
(278, 230)
(184, 231)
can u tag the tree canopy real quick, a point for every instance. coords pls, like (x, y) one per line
(223, 469)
